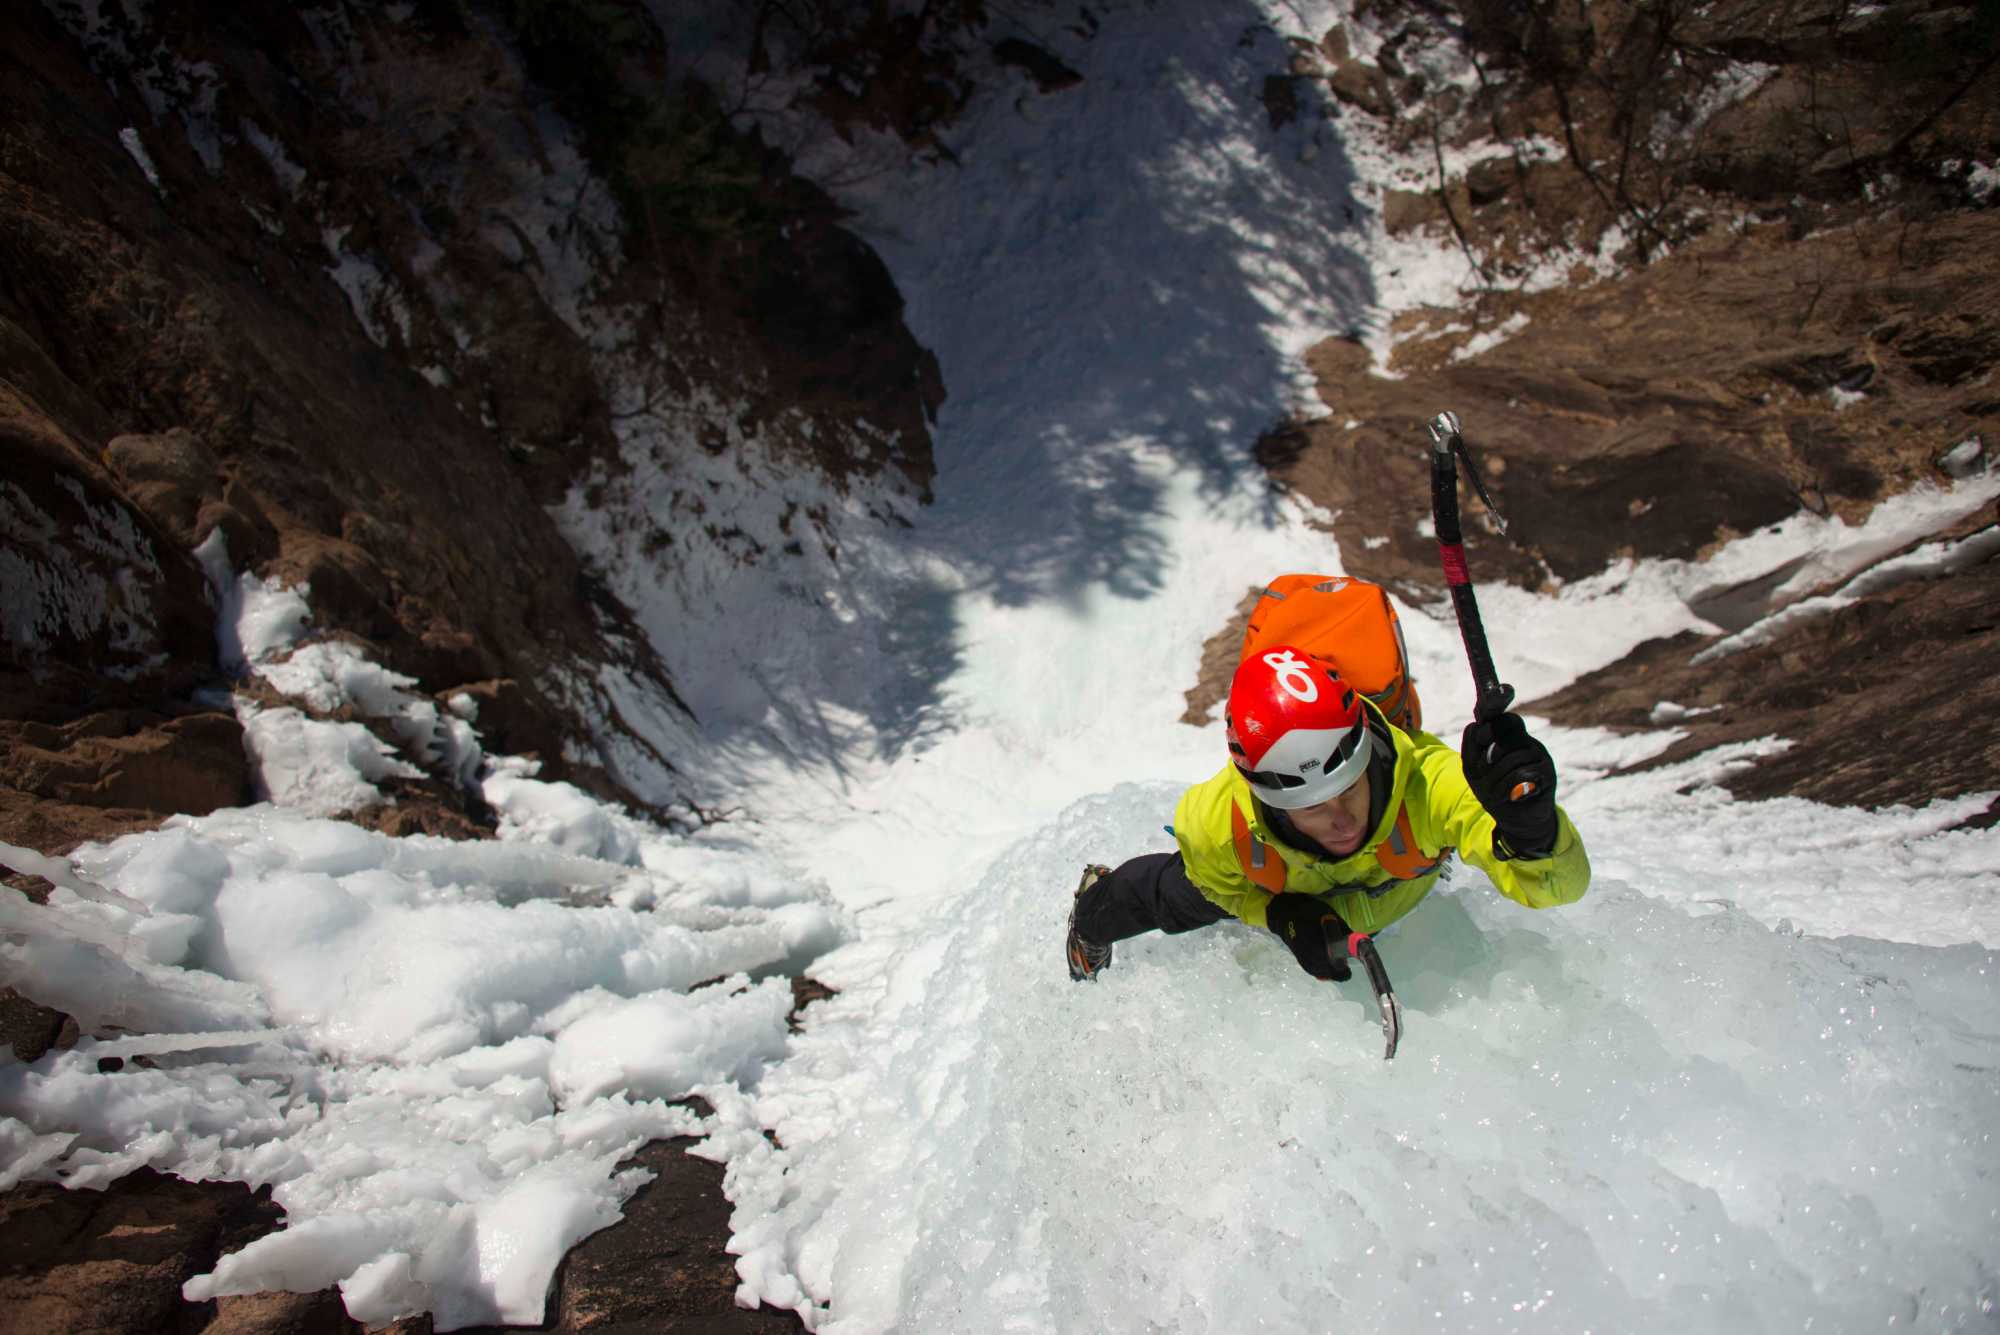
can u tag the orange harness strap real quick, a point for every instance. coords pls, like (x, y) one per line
(1264, 867)
(1400, 854)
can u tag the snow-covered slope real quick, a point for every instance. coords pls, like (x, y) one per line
(1742, 1085)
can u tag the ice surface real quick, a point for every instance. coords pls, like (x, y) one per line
(270, 617)
(971, 1142)
(561, 814)
(1626, 1114)
(61, 876)
(314, 765)
(666, 1044)
(1921, 875)
(107, 976)
(331, 675)
(377, 955)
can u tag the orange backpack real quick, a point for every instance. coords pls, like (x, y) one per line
(1347, 624)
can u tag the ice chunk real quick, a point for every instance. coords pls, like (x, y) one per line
(521, 1236)
(59, 873)
(315, 766)
(666, 1043)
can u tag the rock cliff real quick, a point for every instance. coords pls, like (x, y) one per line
(1724, 264)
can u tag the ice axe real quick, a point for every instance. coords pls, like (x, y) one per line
(1448, 451)
(1360, 946)
(1494, 695)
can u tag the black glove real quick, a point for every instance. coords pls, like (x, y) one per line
(1305, 925)
(1514, 778)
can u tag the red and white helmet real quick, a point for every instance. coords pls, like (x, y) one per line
(1297, 732)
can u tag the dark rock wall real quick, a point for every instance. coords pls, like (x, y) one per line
(177, 357)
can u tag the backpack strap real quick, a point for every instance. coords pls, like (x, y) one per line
(1260, 861)
(1400, 854)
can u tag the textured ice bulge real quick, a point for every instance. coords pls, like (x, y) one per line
(1624, 1114)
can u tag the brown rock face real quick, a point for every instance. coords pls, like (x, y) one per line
(100, 604)
(1908, 669)
(192, 764)
(112, 1262)
(305, 318)
(1806, 319)
(219, 377)
(26, 1028)
(1655, 415)
(110, 630)
(664, 1268)
(170, 477)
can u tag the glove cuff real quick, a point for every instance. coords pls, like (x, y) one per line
(1516, 846)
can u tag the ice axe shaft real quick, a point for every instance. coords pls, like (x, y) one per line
(1448, 449)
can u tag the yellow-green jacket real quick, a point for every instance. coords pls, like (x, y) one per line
(1235, 861)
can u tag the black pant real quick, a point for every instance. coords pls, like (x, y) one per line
(1147, 894)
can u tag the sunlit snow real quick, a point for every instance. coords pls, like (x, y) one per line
(1746, 1083)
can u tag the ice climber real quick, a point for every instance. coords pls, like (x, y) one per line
(1329, 820)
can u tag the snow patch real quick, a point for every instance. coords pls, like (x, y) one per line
(1931, 561)
(289, 174)
(1981, 179)
(129, 137)
(1491, 338)
(1666, 711)
(1965, 458)
(373, 296)
(315, 766)
(48, 595)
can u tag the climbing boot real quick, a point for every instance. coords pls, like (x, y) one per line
(1086, 958)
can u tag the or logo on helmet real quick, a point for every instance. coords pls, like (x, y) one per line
(1296, 731)
(1293, 675)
